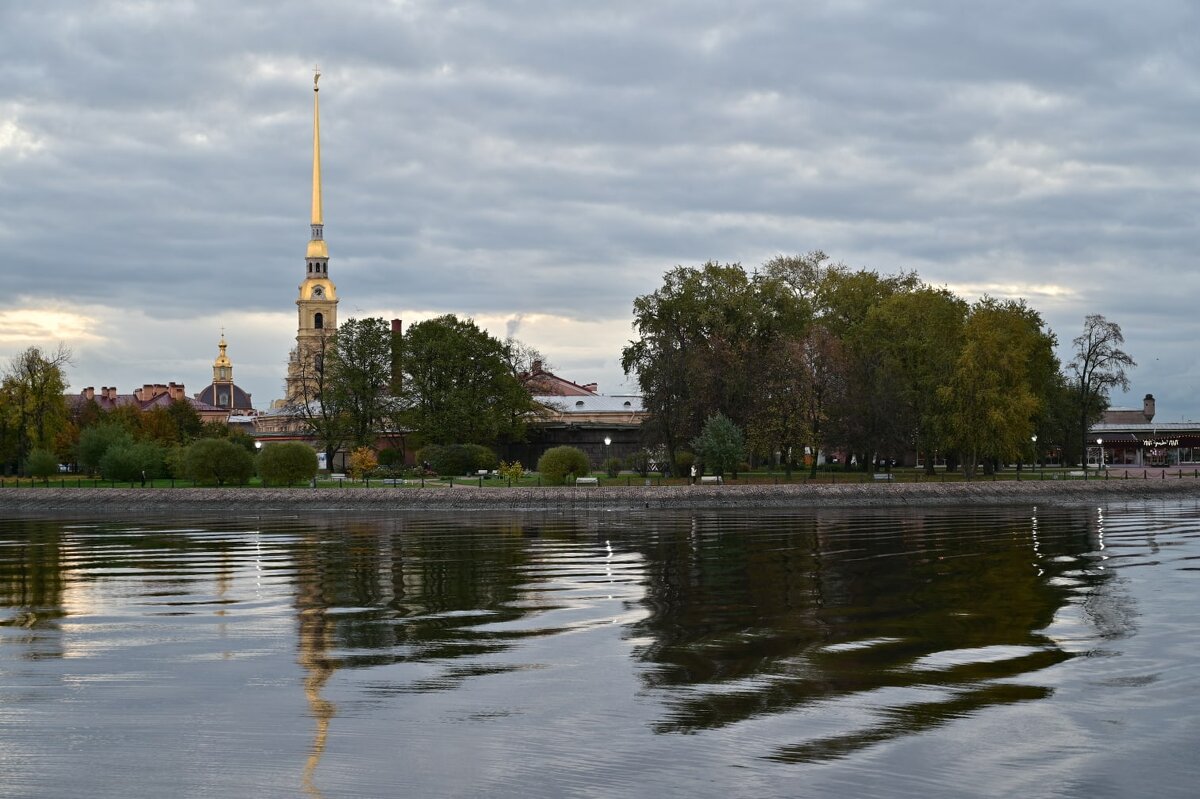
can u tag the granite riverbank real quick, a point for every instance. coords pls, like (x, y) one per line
(470, 498)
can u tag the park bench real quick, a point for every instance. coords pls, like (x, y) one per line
(713, 479)
(338, 477)
(888, 476)
(586, 481)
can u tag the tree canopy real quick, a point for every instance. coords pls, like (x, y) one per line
(808, 355)
(458, 385)
(33, 408)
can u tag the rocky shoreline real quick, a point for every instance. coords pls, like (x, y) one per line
(471, 498)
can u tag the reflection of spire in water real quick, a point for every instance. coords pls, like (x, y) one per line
(315, 640)
(224, 579)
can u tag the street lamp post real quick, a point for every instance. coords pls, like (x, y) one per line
(1033, 438)
(1100, 444)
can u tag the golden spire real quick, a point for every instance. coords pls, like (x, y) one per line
(316, 187)
(316, 244)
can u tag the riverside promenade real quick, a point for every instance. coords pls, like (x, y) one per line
(467, 498)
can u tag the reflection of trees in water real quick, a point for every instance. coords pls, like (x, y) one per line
(411, 590)
(32, 583)
(749, 615)
(767, 615)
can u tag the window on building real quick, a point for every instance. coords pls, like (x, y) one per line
(319, 321)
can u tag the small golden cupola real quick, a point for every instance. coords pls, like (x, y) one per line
(222, 392)
(222, 367)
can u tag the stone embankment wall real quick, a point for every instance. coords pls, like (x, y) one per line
(469, 498)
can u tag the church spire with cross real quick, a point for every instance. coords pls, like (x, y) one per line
(317, 303)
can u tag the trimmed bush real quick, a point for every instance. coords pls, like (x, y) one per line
(612, 467)
(287, 464)
(362, 462)
(720, 445)
(456, 459)
(218, 461)
(41, 463)
(511, 471)
(392, 461)
(558, 462)
(683, 463)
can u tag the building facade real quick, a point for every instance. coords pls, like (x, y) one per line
(1131, 439)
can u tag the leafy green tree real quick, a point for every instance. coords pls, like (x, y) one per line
(33, 408)
(799, 381)
(175, 461)
(1098, 366)
(704, 340)
(41, 463)
(458, 385)
(186, 421)
(557, 463)
(360, 386)
(131, 461)
(287, 463)
(990, 399)
(918, 334)
(95, 441)
(218, 461)
(720, 445)
(316, 403)
(871, 419)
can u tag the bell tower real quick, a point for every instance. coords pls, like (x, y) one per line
(317, 303)
(223, 376)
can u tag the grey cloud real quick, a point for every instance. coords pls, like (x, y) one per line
(536, 157)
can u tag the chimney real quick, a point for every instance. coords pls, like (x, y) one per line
(537, 368)
(592, 387)
(1148, 407)
(89, 393)
(397, 367)
(175, 391)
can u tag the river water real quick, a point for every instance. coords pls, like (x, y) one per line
(1049, 652)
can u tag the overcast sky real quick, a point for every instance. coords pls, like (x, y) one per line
(537, 165)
